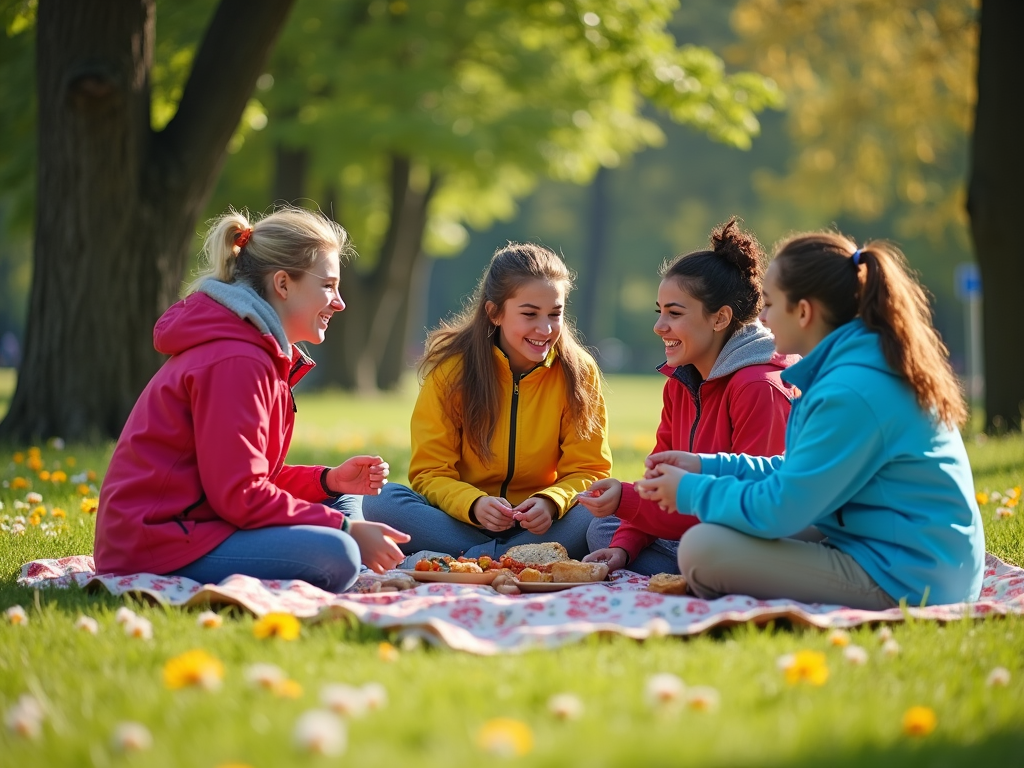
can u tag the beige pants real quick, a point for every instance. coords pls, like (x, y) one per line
(720, 561)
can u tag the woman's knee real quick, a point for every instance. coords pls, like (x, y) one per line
(601, 531)
(702, 548)
(335, 554)
(391, 505)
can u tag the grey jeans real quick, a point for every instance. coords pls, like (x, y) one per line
(435, 530)
(659, 557)
(720, 561)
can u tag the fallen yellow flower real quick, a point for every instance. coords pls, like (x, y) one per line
(281, 625)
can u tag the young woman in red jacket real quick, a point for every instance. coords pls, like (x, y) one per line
(723, 393)
(197, 485)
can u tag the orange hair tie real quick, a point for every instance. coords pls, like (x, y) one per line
(243, 237)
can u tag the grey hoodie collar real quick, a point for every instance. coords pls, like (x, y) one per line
(241, 299)
(752, 344)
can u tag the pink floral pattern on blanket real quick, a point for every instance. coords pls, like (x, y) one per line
(479, 620)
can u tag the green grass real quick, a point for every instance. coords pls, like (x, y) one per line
(439, 699)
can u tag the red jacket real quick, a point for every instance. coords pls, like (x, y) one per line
(741, 410)
(202, 454)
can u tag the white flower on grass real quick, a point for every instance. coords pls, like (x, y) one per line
(209, 620)
(785, 661)
(343, 699)
(25, 718)
(16, 615)
(18, 529)
(139, 628)
(1000, 676)
(1002, 513)
(124, 615)
(411, 643)
(855, 655)
(664, 689)
(884, 633)
(320, 732)
(265, 676)
(565, 706)
(131, 737)
(20, 505)
(891, 648)
(703, 698)
(86, 624)
(658, 627)
(33, 498)
(376, 696)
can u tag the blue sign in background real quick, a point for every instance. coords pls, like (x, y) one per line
(967, 280)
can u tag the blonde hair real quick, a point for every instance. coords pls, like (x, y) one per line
(878, 288)
(242, 248)
(472, 399)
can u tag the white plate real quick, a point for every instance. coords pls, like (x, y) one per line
(553, 586)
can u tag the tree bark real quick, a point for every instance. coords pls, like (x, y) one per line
(117, 203)
(995, 200)
(596, 257)
(367, 351)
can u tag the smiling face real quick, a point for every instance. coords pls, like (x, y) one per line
(529, 323)
(306, 305)
(691, 335)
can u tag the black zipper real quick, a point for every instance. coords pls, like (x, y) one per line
(696, 420)
(512, 434)
(180, 519)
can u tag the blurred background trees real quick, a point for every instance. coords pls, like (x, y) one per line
(606, 130)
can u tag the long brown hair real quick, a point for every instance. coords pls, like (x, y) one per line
(878, 287)
(472, 396)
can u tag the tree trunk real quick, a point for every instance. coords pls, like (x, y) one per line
(290, 167)
(367, 352)
(596, 259)
(995, 201)
(117, 204)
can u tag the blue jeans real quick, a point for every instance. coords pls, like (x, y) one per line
(659, 557)
(324, 557)
(436, 530)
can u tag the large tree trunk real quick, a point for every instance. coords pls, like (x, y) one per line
(118, 203)
(995, 201)
(367, 351)
(594, 273)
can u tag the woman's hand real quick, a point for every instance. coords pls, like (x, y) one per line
(536, 514)
(493, 513)
(688, 462)
(615, 557)
(660, 485)
(602, 498)
(360, 475)
(377, 547)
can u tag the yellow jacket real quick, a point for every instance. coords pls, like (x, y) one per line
(549, 458)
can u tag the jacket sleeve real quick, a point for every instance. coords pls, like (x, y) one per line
(644, 521)
(582, 460)
(841, 446)
(758, 411)
(302, 482)
(436, 451)
(232, 401)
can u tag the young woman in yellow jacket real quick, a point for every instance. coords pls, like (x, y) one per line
(510, 423)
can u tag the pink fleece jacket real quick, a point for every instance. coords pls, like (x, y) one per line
(202, 454)
(742, 410)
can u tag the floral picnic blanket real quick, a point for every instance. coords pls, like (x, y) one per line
(478, 620)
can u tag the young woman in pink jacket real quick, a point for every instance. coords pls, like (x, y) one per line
(197, 485)
(723, 393)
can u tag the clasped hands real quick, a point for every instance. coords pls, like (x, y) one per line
(535, 515)
(662, 471)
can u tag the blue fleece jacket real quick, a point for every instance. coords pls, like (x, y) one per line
(881, 478)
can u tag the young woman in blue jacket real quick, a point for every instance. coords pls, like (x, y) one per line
(873, 502)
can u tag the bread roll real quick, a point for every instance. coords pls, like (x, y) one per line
(574, 570)
(538, 554)
(667, 584)
(532, 574)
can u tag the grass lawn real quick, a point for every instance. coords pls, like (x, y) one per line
(439, 700)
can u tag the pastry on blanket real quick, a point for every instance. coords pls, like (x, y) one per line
(538, 554)
(667, 584)
(574, 570)
(505, 583)
(532, 574)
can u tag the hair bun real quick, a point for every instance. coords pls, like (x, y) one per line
(739, 248)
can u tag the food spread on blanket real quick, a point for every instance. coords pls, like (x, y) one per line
(667, 584)
(548, 562)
